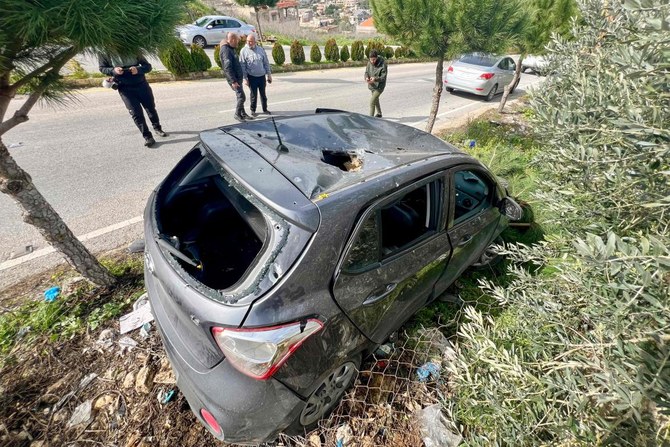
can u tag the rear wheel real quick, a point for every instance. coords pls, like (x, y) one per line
(492, 92)
(200, 41)
(325, 397)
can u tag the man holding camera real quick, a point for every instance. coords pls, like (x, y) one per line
(127, 76)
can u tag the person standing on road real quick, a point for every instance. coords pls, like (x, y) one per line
(127, 76)
(233, 72)
(255, 68)
(375, 76)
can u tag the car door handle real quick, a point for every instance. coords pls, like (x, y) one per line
(465, 241)
(380, 294)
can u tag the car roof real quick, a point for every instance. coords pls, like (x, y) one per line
(477, 59)
(317, 147)
(221, 17)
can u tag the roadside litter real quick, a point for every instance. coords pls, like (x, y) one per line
(428, 371)
(165, 396)
(105, 339)
(344, 436)
(146, 328)
(434, 428)
(384, 351)
(126, 344)
(81, 414)
(51, 294)
(140, 315)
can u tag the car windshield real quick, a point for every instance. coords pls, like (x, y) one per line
(479, 59)
(202, 21)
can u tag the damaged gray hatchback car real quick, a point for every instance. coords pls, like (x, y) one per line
(280, 253)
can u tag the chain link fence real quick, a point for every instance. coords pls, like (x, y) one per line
(392, 387)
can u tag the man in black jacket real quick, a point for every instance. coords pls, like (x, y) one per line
(128, 78)
(233, 72)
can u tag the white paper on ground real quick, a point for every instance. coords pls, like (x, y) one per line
(136, 318)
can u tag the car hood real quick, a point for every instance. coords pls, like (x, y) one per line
(189, 27)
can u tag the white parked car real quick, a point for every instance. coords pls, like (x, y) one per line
(539, 64)
(210, 30)
(482, 74)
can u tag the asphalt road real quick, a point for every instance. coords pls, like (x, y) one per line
(88, 158)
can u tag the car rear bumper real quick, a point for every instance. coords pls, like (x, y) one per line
(477, 87)
(248, 410)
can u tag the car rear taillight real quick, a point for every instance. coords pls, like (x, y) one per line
(487, 76)
(259, 352)
(450, 69)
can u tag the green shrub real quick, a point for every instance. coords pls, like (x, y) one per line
(374, 44)
(315, 54)
(176, 58)
(217, 55)
(297, 53)
(388, 52)
(399, 53)
(77, 69)
(332, 52)
(357, 51)
(201, 61)
(582, 353)
(344, 54)
(278, 54)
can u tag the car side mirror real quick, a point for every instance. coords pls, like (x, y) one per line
(510, 208)
(209, 27)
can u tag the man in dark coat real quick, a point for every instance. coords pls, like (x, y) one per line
(375, 76)
(127, 76)
(233, 72)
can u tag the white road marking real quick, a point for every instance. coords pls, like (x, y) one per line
(272, 103)
(83, 238)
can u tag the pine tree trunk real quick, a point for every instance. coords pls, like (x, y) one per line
(258, 21)
(437, 94)
(508, 87)
(16, 183)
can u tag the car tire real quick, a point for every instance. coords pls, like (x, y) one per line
(449, 89)
(516, 84)
(492, 92)
(200, 41)
(325, 397)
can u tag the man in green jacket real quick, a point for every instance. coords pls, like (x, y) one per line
(375, 76)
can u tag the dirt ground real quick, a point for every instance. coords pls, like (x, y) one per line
(134, 401)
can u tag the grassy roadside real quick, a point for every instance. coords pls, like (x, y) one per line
(506, 146)
(80, 307)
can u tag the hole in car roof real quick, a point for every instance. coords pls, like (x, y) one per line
(378, 144)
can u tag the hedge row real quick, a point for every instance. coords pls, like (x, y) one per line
(179, 61)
